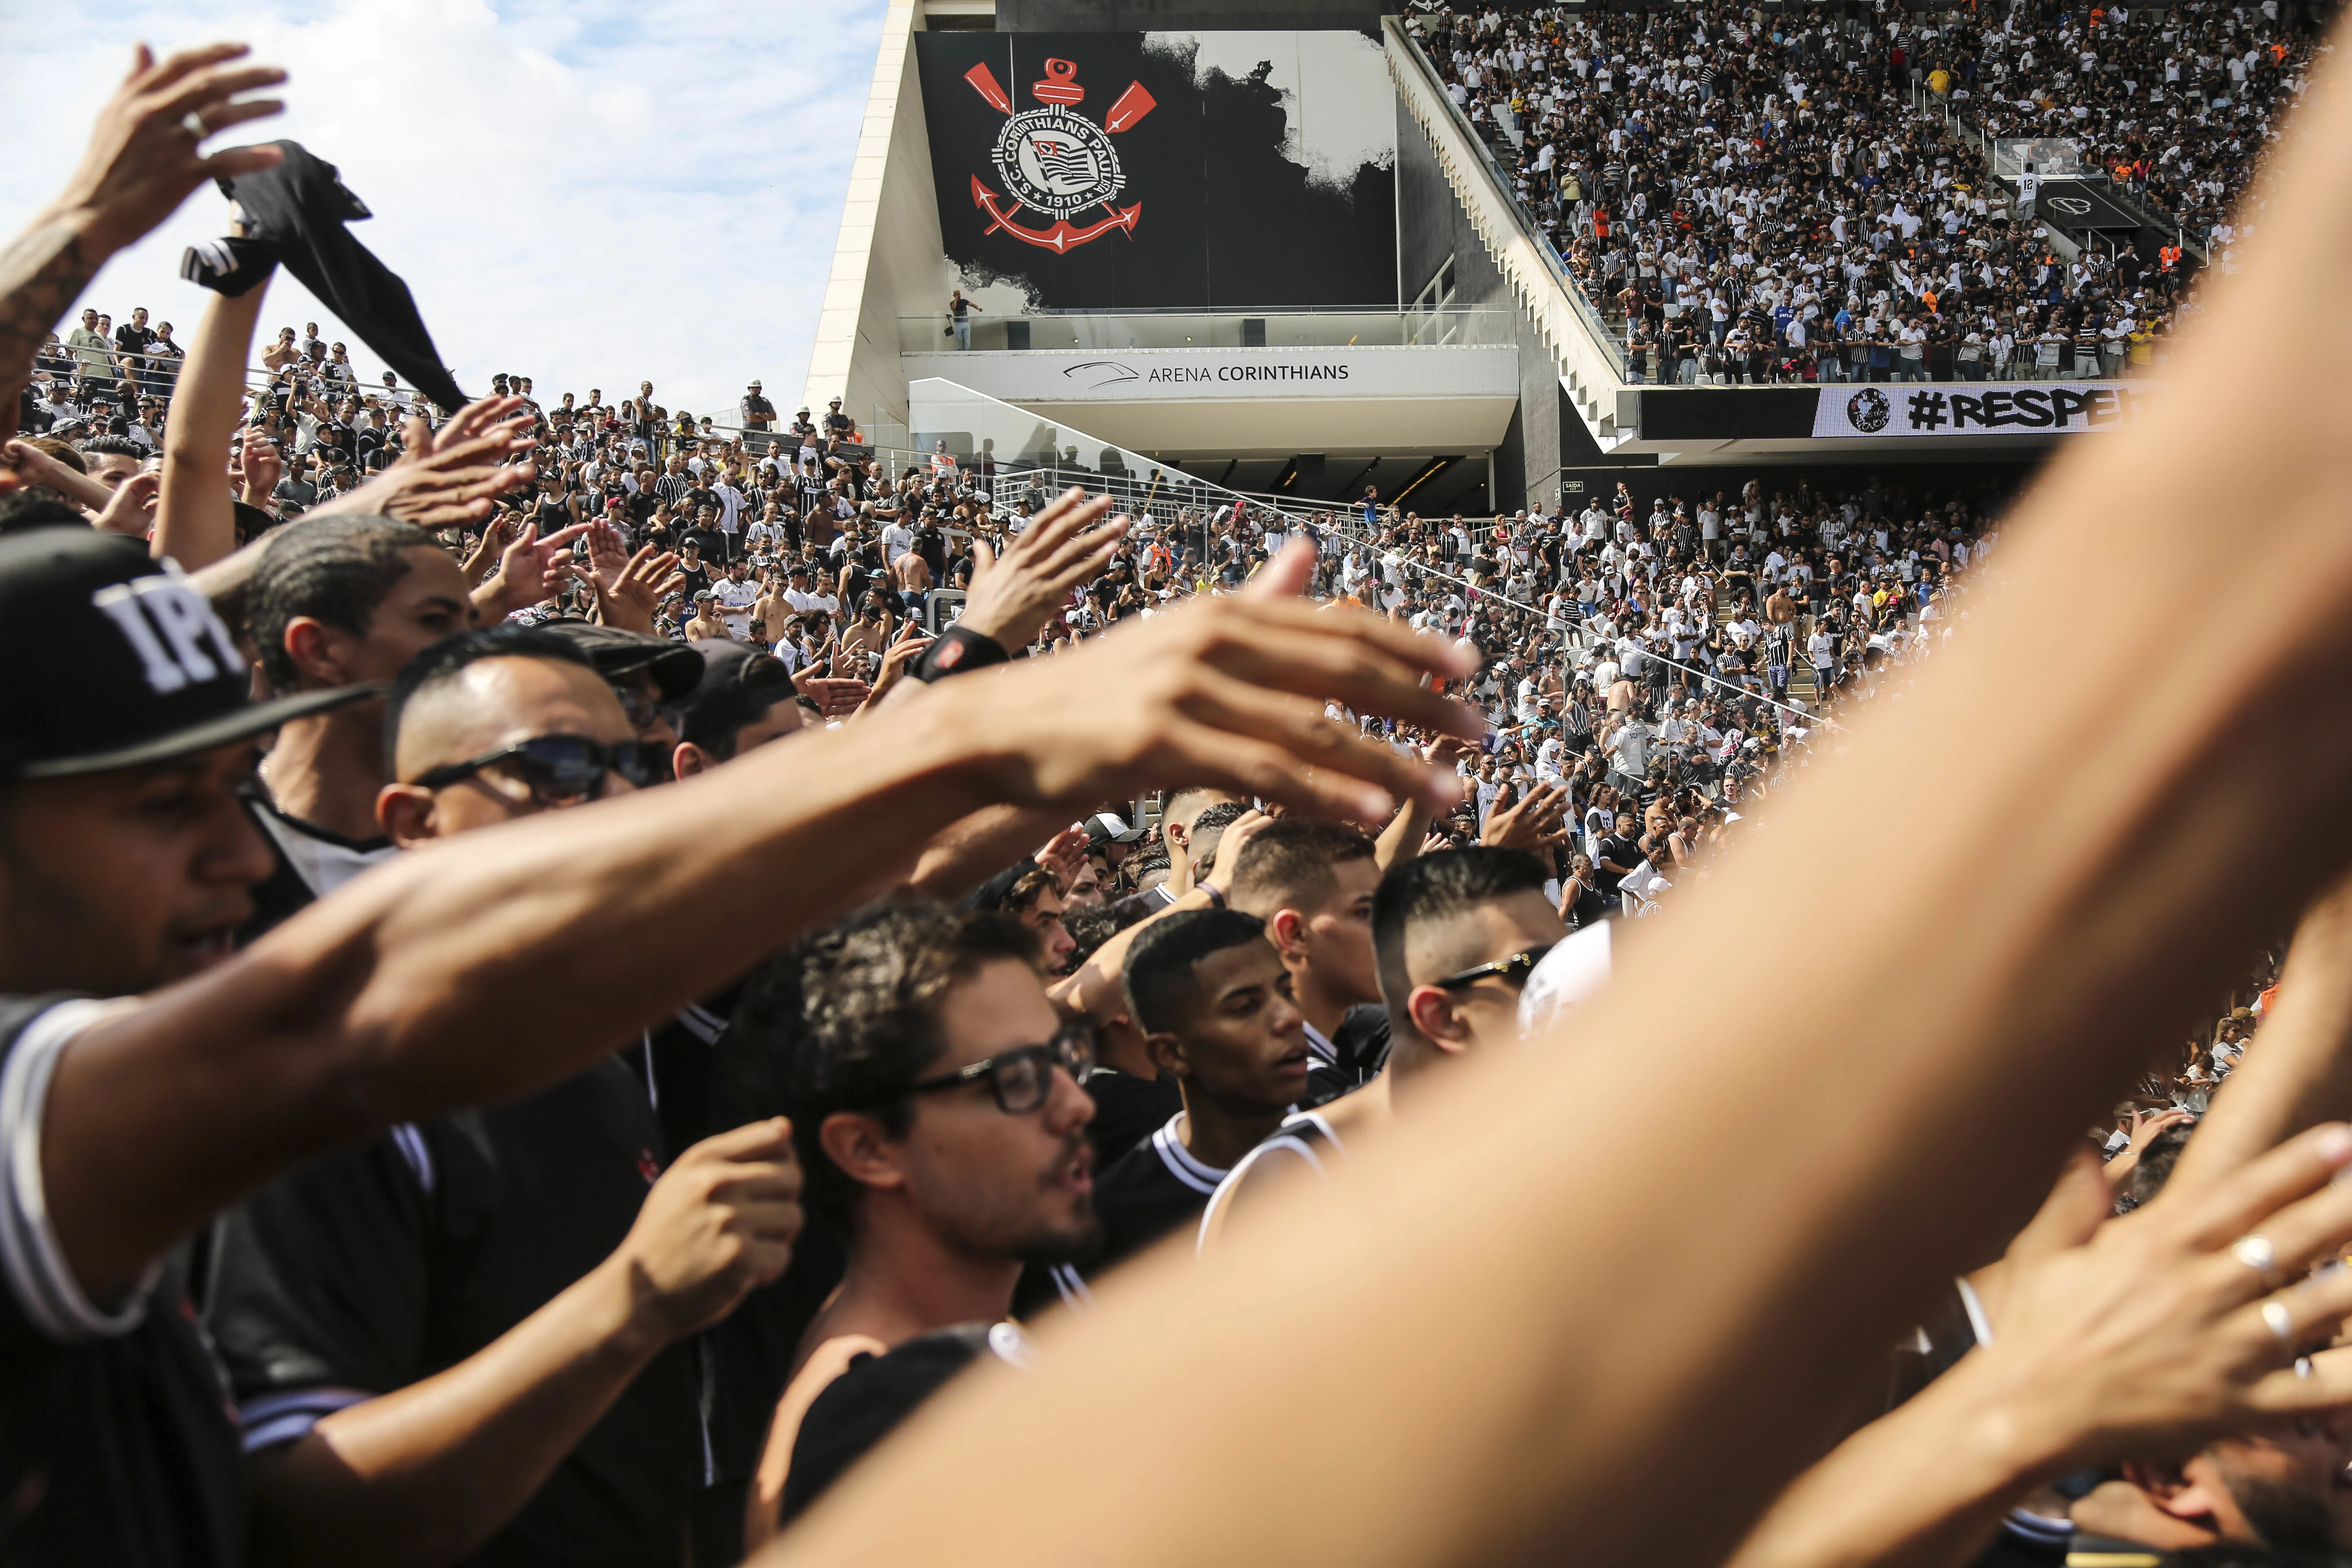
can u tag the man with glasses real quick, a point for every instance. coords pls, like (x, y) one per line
(404, 1261)
(938, 1100)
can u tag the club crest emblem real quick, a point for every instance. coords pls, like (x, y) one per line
(1868, 410)
(1055, 162)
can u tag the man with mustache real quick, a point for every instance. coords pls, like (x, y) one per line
(938, 1100)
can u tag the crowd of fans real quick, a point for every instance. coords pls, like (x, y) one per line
(896, 895)
(1750, 198)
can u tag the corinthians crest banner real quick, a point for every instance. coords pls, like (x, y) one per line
(1167, 170)
(1977, 408)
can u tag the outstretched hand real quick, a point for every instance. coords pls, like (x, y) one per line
(530, 570)
(1531, 822)
(2150, 1334)
(1013, 596)
(142, 162)
(450, 477)
(1226, 692)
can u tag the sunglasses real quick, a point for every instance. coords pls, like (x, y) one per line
(1020, 1078)
(1511, 971)
(562, 770)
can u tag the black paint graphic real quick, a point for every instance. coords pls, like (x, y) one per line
(1190, 202)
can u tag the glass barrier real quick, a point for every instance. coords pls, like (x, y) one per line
(1014, 451)
(1100, 330)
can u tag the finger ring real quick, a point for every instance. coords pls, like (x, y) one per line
(2303, 1366)
(194, 124)
(2279, 1321)
(2256, 1253)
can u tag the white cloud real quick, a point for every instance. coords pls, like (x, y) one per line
(587, 192)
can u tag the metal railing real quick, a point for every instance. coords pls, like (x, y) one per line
(1178, 328)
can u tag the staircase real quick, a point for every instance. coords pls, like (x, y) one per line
(1584, 350)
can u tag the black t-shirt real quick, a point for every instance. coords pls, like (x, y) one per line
(1128, 1110)
(865, 1403)
(1154, 1188)
(115, 1439)
(373, 1268)
(1623, 848)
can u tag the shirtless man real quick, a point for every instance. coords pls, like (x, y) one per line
(708, 620)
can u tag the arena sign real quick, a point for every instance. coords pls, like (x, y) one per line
(1965, 408)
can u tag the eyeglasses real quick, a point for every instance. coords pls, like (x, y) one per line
(561, 770)
(1020, 1078)
(1511, 971)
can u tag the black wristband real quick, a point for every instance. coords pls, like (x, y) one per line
(959, 651)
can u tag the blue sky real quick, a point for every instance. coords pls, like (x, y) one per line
(587, 192)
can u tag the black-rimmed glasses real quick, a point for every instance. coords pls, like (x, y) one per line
(1511, 971)
(1023, 1077)
(560, 770)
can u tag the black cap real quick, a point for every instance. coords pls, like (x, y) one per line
(673, 665)
(119, 660)
(739, 683)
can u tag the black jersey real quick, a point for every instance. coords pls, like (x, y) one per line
(117, 1443)
(1155, 1187)
(1349, 1060)
(372, 1269)
(1128, 1110)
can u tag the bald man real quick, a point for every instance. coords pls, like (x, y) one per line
(523, 1262)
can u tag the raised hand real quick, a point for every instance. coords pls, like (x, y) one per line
(260, 465)
(144, 157)
(1237, 835)
(34, 466)
(130, 511)
(1065, 854)
(645, 579)
(451, 476)
(2147, 1335)
(836, 697)
(1012, 596)
(1531, 822)
(529, 571)
(907, 647)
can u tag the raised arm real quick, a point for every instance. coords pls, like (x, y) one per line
(1696, 1282)
(460, 974)
(141, 162)
(2298, 1066)
(196, 521)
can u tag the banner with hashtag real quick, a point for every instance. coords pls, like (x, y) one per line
(1979, 408)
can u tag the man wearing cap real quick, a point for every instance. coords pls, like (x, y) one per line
(1108, 836)
(393, 1267)
(708, 622)
(838, 427)
(759, 413)
(741, 699)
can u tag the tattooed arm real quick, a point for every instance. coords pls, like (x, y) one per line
(142, 161)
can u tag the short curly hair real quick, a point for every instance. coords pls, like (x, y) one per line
(849, 1019)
